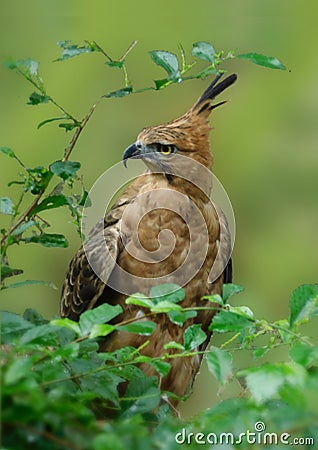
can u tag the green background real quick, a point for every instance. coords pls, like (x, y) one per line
(264, 140)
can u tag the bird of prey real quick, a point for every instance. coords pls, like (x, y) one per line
(164, 228)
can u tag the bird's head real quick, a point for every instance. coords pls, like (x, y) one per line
(188, 136)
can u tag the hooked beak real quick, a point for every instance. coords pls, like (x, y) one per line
(131, 152)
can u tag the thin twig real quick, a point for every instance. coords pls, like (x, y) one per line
(26, 213)
(122, 364)
(229, 341)
(68, 115)
(151, 314)
(76, 135)
(127, 81)
(20, 72)
(16, 208)
(182, 53)
(129, 49)
(42, 90)
(43, 220)
(102, 51)
(138, 91)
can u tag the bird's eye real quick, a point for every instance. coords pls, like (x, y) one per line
(166, 149)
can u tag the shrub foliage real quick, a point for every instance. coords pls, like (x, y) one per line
(55, 383)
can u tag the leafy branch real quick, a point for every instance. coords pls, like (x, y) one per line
(26, 223)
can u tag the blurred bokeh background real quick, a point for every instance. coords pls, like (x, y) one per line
(264, 142)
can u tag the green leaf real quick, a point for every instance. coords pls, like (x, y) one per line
(23, 227)
(304, 354)
(67, 351)
(32, 283)
(169, 292)
(99, 315)
(52, 119)
(179, 317)
(11, 64)
(38, 179)
(142, 395)
(101, 329)
(169, 62)
(160, 84)
(85, 200)
(173, 344)
(216, 298)
(262, 60)
(48, 240)
(293, 396)
(193, 337)
(36, 99)
(70, 50)
(227, 321)
(144, 328)
(116, 64)
(303, 303)
(89, 345)
(230, 289)
(19, 369)
(44, 334)
(34, 317)
(6, 206)
(12, 323)
(119, 92)
(165, 306)
(7, 271)
(108, 441)
(31, 66)
(67, 323)
(260, 352)
(11, 183)
(102, 384)
(65, 169)
(69, 126)
(50, 202)
(7, 151)
(203, 50)
(139, 300)
(140, 359)
(29, 69)
(219, 364)
(264, 382)
(162, 367)
(244, 311)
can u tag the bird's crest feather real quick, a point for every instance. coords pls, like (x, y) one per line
(214, 89)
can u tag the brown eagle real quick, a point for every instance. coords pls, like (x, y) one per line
(164, 228)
